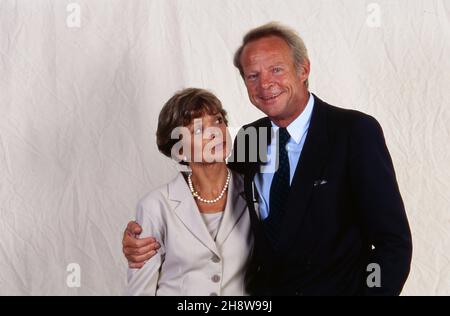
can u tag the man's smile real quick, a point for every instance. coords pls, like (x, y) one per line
(270, 97)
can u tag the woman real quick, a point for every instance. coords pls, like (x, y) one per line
(200, 218)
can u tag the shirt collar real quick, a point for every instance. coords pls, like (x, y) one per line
(301, 124)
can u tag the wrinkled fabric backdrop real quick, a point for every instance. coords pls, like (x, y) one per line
(82, 83)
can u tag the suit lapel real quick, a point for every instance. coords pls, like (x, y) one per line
(235, 208)
(308, 170)
(250, 193)
(187, 211)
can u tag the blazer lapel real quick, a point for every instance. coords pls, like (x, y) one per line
(187, 211)
(235, 208)
(309, 169)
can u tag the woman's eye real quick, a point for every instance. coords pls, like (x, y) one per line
(219, 121)
(197, 131)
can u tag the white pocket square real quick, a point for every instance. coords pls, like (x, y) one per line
(320, 182)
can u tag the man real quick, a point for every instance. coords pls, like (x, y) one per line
(330, 220)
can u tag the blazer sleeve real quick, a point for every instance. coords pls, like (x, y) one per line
(380, 206)
(144, 281)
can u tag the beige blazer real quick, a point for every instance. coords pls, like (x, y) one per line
(190, 262)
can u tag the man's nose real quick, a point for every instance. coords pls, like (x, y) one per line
(266, 80)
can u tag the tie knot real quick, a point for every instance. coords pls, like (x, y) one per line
(284, 136)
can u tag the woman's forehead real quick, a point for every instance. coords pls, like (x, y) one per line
(206, 117)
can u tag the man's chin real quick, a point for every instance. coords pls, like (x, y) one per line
(271, 110)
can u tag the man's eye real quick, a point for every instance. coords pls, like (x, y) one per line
(277, 69)
(251, 77)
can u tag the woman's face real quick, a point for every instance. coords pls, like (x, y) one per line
(209, 140)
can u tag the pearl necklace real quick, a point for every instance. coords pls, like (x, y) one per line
(197, 196)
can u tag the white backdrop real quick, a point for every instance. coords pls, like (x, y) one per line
(79, 107)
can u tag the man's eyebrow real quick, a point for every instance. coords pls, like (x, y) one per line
(278, 63)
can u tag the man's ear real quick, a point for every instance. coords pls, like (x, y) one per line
(304, 70)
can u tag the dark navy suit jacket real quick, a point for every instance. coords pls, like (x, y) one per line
(344, 212)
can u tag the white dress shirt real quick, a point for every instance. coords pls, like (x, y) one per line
(298, 130)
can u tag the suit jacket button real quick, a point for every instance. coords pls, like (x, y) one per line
(213, 294)
(215, 278)
(215, 259)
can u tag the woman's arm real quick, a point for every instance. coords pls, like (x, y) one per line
(144, 281)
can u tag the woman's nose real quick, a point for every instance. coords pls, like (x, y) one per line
(211, 135)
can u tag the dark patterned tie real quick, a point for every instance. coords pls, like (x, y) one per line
(279, 190)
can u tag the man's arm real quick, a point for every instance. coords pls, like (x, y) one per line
(137, 251)
(247, 146)
(144, 281)
(380, 206)
(233, 162)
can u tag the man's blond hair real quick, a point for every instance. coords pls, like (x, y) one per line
(295, 42)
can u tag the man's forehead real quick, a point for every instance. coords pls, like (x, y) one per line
(264, 58)
(254, 55)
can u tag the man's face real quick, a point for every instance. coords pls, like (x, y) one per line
(274, 84)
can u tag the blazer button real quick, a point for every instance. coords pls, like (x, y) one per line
(215, 259)
(213, 294)
(215, 278)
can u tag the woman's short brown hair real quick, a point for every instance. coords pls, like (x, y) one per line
(181, 109)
